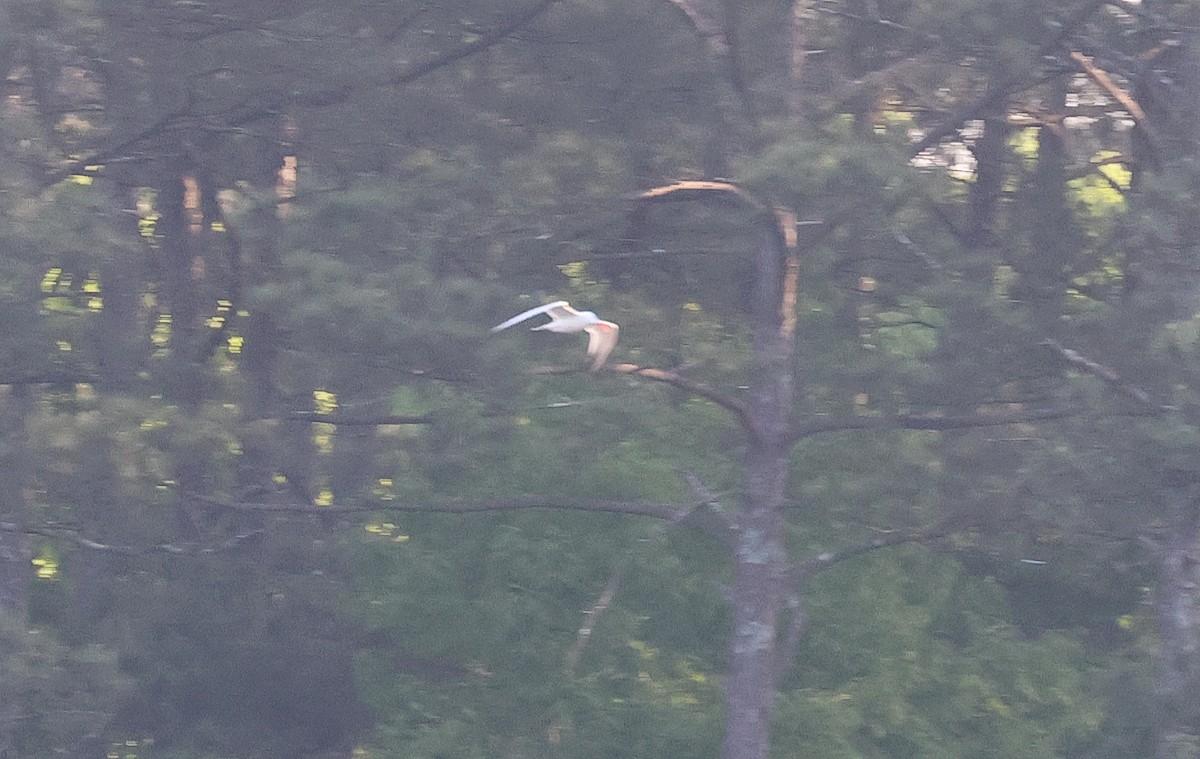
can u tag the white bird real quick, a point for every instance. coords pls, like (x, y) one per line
(602, 335)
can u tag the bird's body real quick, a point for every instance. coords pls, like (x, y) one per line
(602, 335)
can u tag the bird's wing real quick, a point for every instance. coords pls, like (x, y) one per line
(602, 338)
(549, 307)
(562, 310)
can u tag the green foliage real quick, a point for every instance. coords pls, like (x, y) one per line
(947, 675)
(55, 698)
(162, 365)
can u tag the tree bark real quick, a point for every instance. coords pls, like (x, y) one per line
(759, 590)
(1178, 610)
(16, 548)
(120, 339)
(181, 281)
(989, 150)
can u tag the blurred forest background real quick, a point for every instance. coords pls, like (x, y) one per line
(269, 488)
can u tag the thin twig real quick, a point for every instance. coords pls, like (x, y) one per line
(807, 568)
(592, 614)
(845, 422)
(178, 549)
(704, 497)
(1107, 374)
(652, 509)
(479, 44)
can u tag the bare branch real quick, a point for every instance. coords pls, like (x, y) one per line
(368, 421)
(733, 62)
(720, 45)
(704, 497)
(652, 509)
(701, 189)
(592, 615)
(1101, 77)
(870, 81)
(120, 146)
(1107, 374)
(845, 422)
(801, 571)
(695, 388)
(178, 549)
(481, 43)
(805, 569)
(1002, 90)
(960, 116)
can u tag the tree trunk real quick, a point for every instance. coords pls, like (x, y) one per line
(16, 548)
(120, 339)
(987, 189)
(1178, 609)
(760, 560)
(180, 287)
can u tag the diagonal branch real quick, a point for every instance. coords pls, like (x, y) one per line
(720, 47)
(481, 43)
(740, 412)
(704, 498)
(1002, 90)
(1102, 78)
(592, 614)
(119, 147)
(807, 568)
(800, 572)
(1107, 374)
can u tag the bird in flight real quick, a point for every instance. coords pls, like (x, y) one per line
(602, 335)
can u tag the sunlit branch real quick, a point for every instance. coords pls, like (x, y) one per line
(1101, 77)
(701, 189)
(691, 386)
